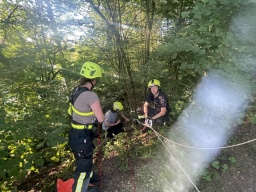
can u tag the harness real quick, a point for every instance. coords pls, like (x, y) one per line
(74, 95)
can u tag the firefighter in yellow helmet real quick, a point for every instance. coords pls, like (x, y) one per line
(156, 105)
(112, 124)
(84, 110)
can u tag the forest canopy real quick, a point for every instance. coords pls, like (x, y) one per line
(43, 44)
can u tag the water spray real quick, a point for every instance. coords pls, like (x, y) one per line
(219, 103)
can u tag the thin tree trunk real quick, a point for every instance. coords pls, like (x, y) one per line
(123, 61)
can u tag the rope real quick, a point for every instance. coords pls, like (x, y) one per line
(98, 155)
(187, 146)
(224, 147)
(158, 136)
(191, 147)
(176, 161)
(132, 175)
(131, 170)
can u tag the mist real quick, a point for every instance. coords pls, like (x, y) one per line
(218, 106)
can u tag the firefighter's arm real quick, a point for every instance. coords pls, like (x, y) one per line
(160, 114)
(96, 108)
(123, 115)
(111, 124)
(146, 110)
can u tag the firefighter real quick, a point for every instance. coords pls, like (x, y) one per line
(85, 110)
(156, 105)
(112, 124)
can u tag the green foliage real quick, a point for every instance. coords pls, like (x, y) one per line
(251, 113)
(34, 133)
(216, 164)
(43, 48)
(133, 147)
(204, 42)
(218, 167)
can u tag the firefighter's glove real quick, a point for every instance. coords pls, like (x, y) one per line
(148, 122)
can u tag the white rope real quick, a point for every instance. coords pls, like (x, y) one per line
(187, 146)
(191, 147)
(158, 135)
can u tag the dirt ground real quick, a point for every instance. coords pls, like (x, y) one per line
(240, 177)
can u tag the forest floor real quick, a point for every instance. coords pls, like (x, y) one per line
(239, 177)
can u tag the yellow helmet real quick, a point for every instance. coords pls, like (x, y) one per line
(154, 82)
(91, 70)
(117, 106)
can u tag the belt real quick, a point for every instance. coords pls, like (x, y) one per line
(76, 126)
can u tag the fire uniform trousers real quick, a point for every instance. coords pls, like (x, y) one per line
(81, 137)
(81, 144)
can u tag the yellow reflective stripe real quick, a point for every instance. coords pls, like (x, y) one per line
(81, 126)
(84, 114)
(69, 110)
(80, 182)
(141, 116)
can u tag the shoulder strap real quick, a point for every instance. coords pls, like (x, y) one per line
(76, 92)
